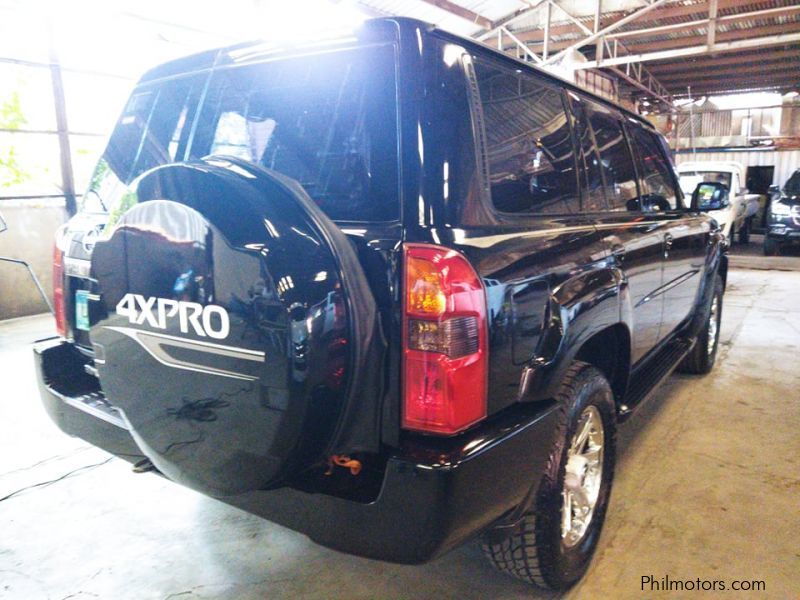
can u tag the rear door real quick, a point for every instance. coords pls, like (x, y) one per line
(685, 235)
(633, 233)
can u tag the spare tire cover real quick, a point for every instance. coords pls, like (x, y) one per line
(228, 335)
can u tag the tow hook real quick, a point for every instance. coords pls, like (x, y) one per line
(342, 460)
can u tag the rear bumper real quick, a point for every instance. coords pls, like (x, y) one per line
(72, 399)
(436, 493)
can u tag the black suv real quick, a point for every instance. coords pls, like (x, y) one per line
(783, 216)
(394, 291)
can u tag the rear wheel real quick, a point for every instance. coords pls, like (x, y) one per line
(554, 542)
(702, 357)
(771, 247)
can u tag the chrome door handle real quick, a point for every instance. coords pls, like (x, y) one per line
(668, 239)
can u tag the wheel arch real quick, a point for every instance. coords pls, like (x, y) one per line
(609, 351)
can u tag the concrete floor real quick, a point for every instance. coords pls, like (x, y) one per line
(751, 256)
(707, 487)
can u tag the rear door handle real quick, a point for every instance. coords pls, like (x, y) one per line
(668, 239)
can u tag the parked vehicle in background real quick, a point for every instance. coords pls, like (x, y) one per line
(735, 216)
(394, 291)
(783, 217)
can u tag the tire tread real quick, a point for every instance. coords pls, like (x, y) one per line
(521, 555)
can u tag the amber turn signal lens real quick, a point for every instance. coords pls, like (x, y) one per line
(424, 287)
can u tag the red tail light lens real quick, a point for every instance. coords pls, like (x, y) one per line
(445, 353)
(58, 291)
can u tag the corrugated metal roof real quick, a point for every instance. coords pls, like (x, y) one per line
(682, 15)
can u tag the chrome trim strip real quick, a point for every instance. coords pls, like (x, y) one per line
(667, 286)
(153, 343)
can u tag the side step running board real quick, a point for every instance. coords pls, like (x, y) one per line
(657, 369)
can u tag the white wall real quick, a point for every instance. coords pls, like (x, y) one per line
(30, 236)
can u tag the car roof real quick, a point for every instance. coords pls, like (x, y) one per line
(210, 58)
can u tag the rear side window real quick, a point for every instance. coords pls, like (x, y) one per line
(152, 130)
(658, 186)
(329, 121)
(616, 163)
(529, 147)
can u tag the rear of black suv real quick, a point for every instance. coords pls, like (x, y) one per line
(393, 291)
(253, 301)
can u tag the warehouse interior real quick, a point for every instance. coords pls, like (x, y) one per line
(706, 479)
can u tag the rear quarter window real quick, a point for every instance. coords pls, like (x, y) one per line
(616, 163)
(528, 138)
(659, 191)
(152, 130)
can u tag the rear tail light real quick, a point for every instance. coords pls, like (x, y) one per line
(445, 353)
(58, 290)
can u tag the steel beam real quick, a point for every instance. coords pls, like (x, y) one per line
(527, 51)
(769, 13)
(548, 16)
(566, 27)
(511, 19)
(460, 11)
(574, 20)
(745, 44)
(651, 93)
(727, 36)
(741, 86)
(711, 32)
(698, 74)
(606, 30)
(662, 70)
(60, 106)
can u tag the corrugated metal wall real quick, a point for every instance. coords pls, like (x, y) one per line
(784, 161)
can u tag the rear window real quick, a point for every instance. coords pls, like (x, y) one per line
(328, 120)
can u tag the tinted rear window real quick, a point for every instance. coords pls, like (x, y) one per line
(616, 164)
(658, 186)
(328, 120)
(530, 154)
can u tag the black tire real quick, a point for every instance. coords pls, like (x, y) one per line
(700, 360)
(771, 247)
(535, 551)
(744, 232)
